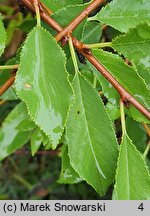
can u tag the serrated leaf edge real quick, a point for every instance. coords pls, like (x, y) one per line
(117, 170)
(69, 6)
(120, 53)
(142, 80)
(65, 62)
(80, 174)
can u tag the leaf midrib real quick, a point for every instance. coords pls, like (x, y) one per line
(90, 33)
(89, 136)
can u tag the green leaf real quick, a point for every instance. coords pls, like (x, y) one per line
(2, 36)
(137, 134)
(11, 138)
(42, 82)
(91, 139)
(113, 111)
(148, 163)
(26, 125)
(129, 79)
(135, 45)
(109, 92)
(68, 175)
(132, 177)
(126, 14)
(36, 140)
(92, 32)
(48, 145)
(70, 13)
(54, 5)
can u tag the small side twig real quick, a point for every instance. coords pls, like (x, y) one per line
(146, 150)
(147, 129)
(37, 10)
(123, 124)
(7, 84)
(9, 67)
(47, 10)
(2, 102)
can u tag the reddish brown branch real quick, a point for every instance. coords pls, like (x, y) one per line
(147, 129)
(44, 15)
(70, 27)
(7, 84)
(47, 10)
(2, 102)
(122, 91)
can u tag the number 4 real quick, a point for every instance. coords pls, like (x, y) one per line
(141, 207)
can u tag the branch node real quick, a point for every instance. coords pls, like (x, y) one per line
(64, 40)
(80, 57)
(126, 103)
(41, 8)
(44, 9)
(13, 72)
(87, 51)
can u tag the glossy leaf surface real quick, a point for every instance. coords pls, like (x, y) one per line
(43, 84)
(91, 139)
(68, 175)
(11, 138)
(128, 78)
(126, 14)
(135, 46)
(132, 178)
(2, 36)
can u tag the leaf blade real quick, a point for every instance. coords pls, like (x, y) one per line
(36, 140)
(129, 79)
(132, 174)
(68, 175)
(55, 5)
(10, 137)
(86, 146)
(41, 88)
(135, 45)
(126, 14)
(70, 12)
